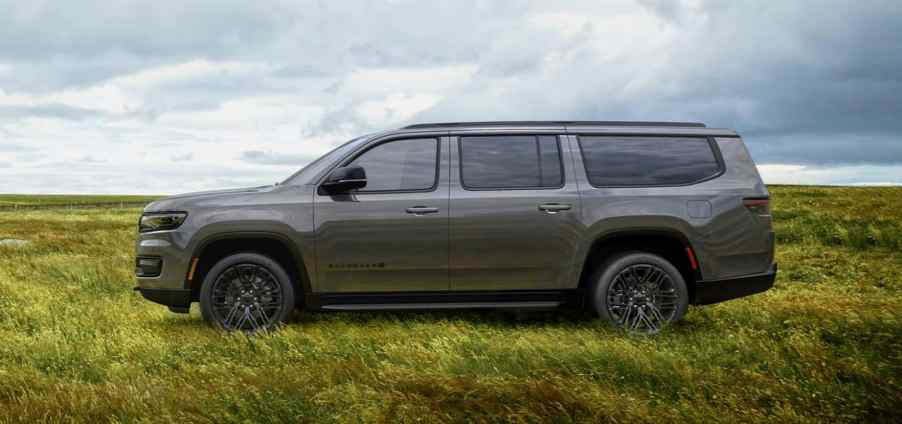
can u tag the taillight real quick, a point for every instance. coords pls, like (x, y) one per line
(757, 205)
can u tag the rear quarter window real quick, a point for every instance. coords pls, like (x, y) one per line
(648, 161)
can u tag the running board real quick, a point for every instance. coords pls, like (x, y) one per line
(444, 305)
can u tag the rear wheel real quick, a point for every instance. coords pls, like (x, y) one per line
(247, 292)
(640, 292)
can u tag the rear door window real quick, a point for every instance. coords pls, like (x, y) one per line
(511, 162)
(647, 161)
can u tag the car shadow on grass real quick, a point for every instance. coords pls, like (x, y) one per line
(485, 318)
(566, 318)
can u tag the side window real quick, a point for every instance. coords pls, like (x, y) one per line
(647, 161)
(409, 164)
(510, 161)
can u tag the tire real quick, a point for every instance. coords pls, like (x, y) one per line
(640, 292)
(247, 292)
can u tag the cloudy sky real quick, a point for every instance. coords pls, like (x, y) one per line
(174, 96)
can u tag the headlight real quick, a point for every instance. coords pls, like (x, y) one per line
(161, 221)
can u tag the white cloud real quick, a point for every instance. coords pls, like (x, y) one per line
(366, 82)
(127, 94)
(191, 70)
(178, 110)
(833, 175)
(395, 108)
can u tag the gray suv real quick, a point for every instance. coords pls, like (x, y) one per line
(633, 221)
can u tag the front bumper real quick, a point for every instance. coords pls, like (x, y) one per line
(166, 284)
(714, 291)
(176, 298)
(166, 247)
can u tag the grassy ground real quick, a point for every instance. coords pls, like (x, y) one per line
(824, 345)
(45, 200)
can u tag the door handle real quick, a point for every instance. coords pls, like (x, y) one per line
(421, 210)
(554, 207)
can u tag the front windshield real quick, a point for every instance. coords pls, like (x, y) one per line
(310, 173)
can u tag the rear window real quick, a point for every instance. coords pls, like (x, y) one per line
(647, 161)
(510, 161)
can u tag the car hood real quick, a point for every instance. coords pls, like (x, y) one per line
(204, 198)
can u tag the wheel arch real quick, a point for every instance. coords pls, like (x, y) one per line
(276, 246)
(669, 243)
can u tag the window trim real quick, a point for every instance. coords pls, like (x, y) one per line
(354, 155)
(712, 144)
(460, 161)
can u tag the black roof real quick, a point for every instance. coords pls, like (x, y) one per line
(558, 123)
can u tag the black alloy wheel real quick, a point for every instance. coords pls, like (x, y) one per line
(247, 292)
(640, 292)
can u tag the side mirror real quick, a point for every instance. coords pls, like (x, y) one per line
(345, 179)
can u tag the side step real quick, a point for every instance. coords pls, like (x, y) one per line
(443, 305)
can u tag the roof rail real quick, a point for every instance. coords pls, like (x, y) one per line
(559, 123)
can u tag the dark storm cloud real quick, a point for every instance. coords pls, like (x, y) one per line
(820, 83)
(817, 149)
(804, 82)
(826, 67)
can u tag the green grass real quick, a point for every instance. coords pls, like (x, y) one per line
(824, 345)
(48, 200)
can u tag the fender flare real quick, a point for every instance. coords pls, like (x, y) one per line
(293, 250)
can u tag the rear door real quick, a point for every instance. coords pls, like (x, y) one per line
(514, 212)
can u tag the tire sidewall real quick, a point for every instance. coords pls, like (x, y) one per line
(605, 276)
(288, 290)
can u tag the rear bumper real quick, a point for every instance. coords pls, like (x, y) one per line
(714, 291)
(177, 298)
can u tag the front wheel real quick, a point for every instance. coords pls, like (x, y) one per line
(640, 292)
(247, 292)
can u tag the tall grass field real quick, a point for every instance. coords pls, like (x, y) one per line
(824, 345)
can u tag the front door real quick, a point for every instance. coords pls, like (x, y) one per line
(514, 213)
(392, 235)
